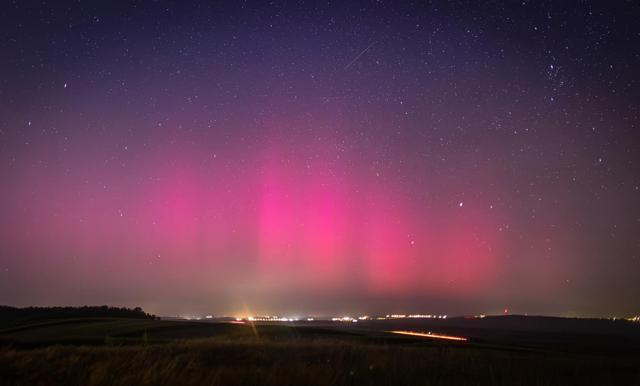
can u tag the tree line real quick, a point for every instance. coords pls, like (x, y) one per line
(12, 314)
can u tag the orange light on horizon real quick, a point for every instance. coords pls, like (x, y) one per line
(429, 335)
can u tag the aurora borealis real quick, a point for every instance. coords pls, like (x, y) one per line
(449, 157)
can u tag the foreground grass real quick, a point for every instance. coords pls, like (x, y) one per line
(305, 362)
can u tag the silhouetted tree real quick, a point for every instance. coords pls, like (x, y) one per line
(12, 315)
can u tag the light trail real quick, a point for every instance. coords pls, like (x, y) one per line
(359, 55)
(429, 335)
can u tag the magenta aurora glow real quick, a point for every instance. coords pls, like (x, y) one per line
(371, 157)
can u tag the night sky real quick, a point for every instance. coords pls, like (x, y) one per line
(337, 157)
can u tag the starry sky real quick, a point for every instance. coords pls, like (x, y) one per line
(321, 157)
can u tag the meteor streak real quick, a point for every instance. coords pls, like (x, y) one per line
(359, 55)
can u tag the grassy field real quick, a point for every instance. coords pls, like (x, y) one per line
(95, 331)
(108, 351)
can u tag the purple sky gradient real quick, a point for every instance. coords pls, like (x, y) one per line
(212, 159)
